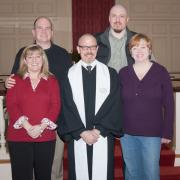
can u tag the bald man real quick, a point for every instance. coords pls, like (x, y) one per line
(91, 115)
(113, 49)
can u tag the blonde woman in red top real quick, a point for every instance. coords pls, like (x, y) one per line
(33, 105)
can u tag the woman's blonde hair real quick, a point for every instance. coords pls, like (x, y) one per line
(23, 69)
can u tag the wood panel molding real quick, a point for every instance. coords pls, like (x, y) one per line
(16, 22)
(160, 20)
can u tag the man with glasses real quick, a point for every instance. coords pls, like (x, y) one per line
(59, 62)
(91, 115)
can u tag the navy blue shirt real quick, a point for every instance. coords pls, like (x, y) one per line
(148, 104)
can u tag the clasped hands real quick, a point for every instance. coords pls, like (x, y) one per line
(34, 131)
(90, 136)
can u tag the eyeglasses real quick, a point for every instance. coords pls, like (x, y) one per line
(85, 48)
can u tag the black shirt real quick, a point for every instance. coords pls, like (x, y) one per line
(58, 59)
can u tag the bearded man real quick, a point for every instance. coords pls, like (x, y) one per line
(113, 43)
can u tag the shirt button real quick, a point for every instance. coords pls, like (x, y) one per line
(136, 94)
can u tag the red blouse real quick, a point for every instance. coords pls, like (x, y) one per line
(43, 102)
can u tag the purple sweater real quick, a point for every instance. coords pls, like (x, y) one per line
(148, 104)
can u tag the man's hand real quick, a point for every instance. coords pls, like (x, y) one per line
(10, 82)
(90, 137)
(96, 132)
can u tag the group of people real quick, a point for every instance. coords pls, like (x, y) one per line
(115, 91)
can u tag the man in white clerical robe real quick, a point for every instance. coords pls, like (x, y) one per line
(91, 115)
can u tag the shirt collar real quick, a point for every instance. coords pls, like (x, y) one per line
(26, 75)
(121, 35)
(93, 64)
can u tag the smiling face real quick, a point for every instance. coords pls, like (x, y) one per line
(87, 48)
(141, 51)
(34, 61)
(140, 47)
(42, 32)
(118, 18)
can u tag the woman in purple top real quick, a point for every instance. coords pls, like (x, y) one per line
(148, 107)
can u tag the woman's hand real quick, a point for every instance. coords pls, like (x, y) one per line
(165, 141)
(35, 131)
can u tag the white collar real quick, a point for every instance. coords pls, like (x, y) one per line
(41, 76)
(93, 64)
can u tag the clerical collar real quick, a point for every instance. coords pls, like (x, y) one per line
(93, 64)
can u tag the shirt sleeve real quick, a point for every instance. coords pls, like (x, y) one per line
(19, 123)
(108, 119)
(68, 60)
(55, 100)
(70, 125)
(50, 125)
(168, 104)
(12, 103)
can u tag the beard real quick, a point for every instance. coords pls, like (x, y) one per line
(118, 27)
(117, 30)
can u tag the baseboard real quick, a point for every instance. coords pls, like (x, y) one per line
(4, 161)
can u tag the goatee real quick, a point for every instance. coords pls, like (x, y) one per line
(117, 30)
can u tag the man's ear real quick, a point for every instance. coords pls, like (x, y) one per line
(127, 19)
(78, 50)
(33, 34)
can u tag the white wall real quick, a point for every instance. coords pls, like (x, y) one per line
(5, 171)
